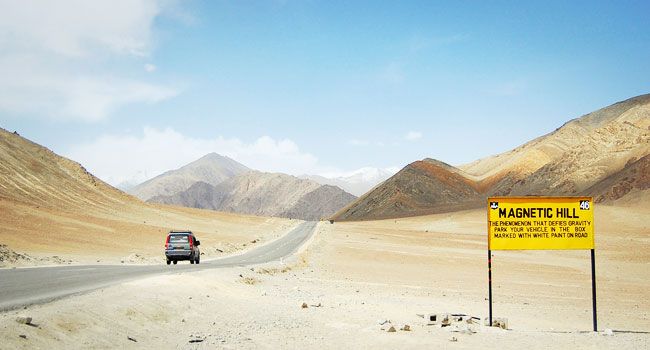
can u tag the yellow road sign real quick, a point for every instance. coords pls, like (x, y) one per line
(537, 223)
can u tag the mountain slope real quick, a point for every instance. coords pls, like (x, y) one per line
(33, 175)
(211, 168)
(572, 160)
(264, 194)
(320, 203)
(632, 181)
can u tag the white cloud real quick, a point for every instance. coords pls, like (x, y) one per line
(54, 56)
(413, 135)
(149, 68)
(120, 159)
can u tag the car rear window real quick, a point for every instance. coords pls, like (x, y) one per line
(179, 238)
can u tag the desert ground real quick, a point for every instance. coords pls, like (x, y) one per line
(356, 276)
(129, 233)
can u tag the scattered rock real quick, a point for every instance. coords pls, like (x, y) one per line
(304, 305)
(316, 305)
(9, 256)
(443, 320)
(391, 329)
(608, 332)
(24, 319)
(197, 340)
(500, 322)
(23, 336)
(453, 339)
(131, 339)
(405, 328)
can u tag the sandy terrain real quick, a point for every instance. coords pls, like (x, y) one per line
(362, 274)
(130, 233)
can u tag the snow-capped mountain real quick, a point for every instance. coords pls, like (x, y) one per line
(356, 182)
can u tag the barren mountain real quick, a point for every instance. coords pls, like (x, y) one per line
(33, 175)
(420, 188)
(265, 194)
(594, 154)
(211, 168)
(572, 158)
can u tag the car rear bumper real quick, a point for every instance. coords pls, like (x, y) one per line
(178, 254)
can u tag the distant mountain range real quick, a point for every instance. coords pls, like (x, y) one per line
(220, 183)
(264, 194)
(357, 182)
(603, 154)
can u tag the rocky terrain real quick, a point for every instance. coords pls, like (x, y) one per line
(572, 160)
(631, 183)
(211, 168)
(264, 194)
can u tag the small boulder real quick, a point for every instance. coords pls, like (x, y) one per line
(24, 319)
(304, 305)
(406, 328)
(391, 329)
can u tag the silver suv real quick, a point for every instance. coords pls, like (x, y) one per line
(182, 245)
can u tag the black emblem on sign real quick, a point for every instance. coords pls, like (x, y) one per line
(494, 205)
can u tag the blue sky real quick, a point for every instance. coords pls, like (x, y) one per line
(134, 88)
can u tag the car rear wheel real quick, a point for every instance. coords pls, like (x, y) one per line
(175, 262)
(198, 260)
(169, 261)
(192, 261)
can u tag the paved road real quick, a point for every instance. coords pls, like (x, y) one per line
(25, 286)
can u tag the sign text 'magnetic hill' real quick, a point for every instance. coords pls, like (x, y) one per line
(525, 223)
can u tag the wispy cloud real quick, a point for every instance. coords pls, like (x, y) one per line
(53, 57)
(413, 136)
(149, 68)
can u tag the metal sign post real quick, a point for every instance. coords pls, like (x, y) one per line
(490, 282)
(593, 288)
(541, 223)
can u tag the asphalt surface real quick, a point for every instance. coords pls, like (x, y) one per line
(25, 286)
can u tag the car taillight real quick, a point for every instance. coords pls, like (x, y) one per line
(167, 243)
(191, 242)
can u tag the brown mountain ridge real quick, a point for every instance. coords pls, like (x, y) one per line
(603, 154)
